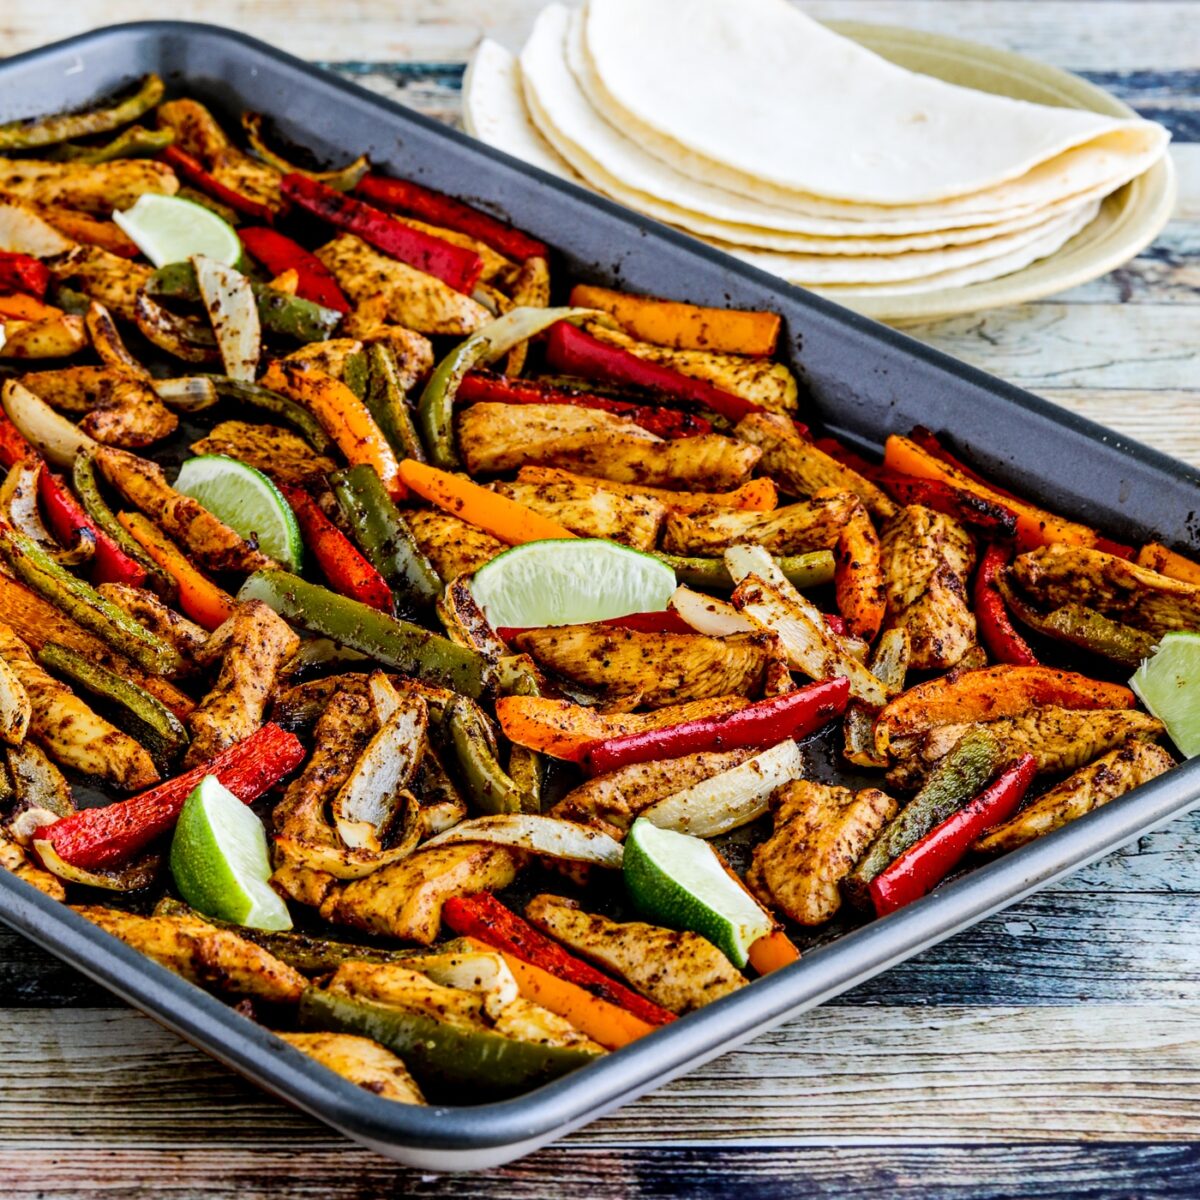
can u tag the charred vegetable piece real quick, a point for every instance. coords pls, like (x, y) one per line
(279, 254)
(341, 180)
(45, 131)
(23, 273)
(134, 142)
(489, 788)
(1004, 643)
(404, 647)
(388, 404)
(976, 512)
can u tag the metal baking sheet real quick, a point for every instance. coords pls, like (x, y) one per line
(863, 382)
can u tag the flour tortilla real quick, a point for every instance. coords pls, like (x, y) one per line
(618, 168)
(756, 97)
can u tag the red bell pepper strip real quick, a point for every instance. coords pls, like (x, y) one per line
(484, 918)
(279, 253)
(483, 386)
(67, 519)
(573, 351)
(347, 571)
(794, 715)
(23, 273)
(452, 264)
(976, 512)
(999, 635)
(194, 171)
(923, 866)
(104, 837)
(439, 209)
(667, 621)
(836, 622)
(13, 444)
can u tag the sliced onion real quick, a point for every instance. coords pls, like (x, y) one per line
(548, 836)
(19, 505)
(15, 709)
(50, 433)
(188, 394)
(232, 309)
(187, 338)
(706, 614)
(140, 873)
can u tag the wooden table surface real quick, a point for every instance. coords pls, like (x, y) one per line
(1053, 1051)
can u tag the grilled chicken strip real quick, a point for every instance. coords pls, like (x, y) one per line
(120, 408)
(1137, 596)
(591, 511)
(210, 541)
(404, 900)
(372, 1066)
(927, 561)
(661, 668)
(614, 800)
(71, 733)
(279, 453)
(188, 638)
(453, 546)
(680, 971)
(1119, 771)
(217, 959)
(89, 187)
(820, 833)
(256, 644)
(793, 529)
(106, 278)
(409, 297)
(803, 469)
(1061, 739)
(13, 858)
(501, 437)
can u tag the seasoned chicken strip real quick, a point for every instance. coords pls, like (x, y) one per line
(279, 453)
(820, 833)
(454, 547)
(217, 959)
(372, 1066)
(1119, 771)
(591, 511)
(71, 733)
(803, 469)
(13, 858)
(89, 187)
(680, 971)
(927, 561)
(107, 278)
(661, 668)
(1060, 739)
(1134, 595)
(615, 799)
(210, 541)
(405, 899)
(120, 408)
(256, 644)
(188, 638)
(793, 529)
(418, 301)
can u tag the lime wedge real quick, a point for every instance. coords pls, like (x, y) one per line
(678, 881)
(219, 860)
(169, 230)
(1168, 684)
(247, 501)
(570, 582)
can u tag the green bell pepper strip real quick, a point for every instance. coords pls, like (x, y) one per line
(343, 179)
(135, 142)
(62, 127)
(803, 570)
(383, 534)
(489, 788)
(405, 647)
(435, 411)
(962, 774)
(356, 374)
(280, 313)
(279, 406)
(143, 716)
(81, 602)
(450, 1061)
(387, 403)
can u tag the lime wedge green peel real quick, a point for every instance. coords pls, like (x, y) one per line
(219, 860)
(1168, 684)
(677, 880)
(167, 229)
(570, 582)
(247, 501)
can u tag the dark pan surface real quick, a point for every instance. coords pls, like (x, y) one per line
(863, 380)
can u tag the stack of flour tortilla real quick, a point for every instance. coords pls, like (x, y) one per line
(751, 126)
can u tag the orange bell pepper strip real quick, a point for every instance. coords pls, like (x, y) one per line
(1035, 526)
(759, 495)
(772, 951)
(347, 420)
(858, 579)
(19, 307)
(503, 518)
(1166, 561)
(684, 326)
(199, 597)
